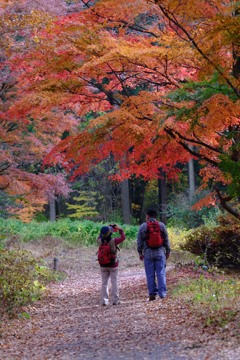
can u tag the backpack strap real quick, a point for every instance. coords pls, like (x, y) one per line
(113, 246)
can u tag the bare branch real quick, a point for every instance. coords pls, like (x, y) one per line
(224, 202)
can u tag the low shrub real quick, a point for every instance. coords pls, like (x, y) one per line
(216, 300)
(218, 245)
(177, 237)
(22, 279)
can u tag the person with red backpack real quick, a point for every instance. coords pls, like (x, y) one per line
(154, 248)
(108, 261)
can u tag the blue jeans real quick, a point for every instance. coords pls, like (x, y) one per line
(155, 268)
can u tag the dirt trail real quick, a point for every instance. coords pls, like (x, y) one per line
(69, 323)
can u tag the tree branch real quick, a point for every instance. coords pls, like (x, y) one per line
(196, 142)
(174, 135)
(172, 19)
(224, 202)
(4, 166)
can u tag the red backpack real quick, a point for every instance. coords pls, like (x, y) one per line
(154, 237)
(105, 256)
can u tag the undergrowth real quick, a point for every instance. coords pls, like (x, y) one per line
(74, 232)
(22, 279)
(214, 297)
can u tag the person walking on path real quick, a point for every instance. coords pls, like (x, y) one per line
(109, 269)
(154, 258)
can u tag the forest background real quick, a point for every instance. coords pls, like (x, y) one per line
(108, 108)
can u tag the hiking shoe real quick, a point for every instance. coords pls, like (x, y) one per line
(105, 304)
(116, 302)
(152, 297)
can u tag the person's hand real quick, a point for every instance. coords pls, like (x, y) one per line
(114, 228)
(141, 257)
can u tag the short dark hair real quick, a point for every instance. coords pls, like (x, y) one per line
(152, 212)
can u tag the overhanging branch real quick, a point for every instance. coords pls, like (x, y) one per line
(224, 202)
(4, 166)
(174, 134)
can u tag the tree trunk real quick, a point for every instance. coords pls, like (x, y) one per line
(125, 202)
(162, 196)
(236, 57)
(58, 206)
(52, 208)
(191, 179)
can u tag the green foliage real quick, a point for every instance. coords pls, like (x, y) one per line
(40, 217)
(76, 232)
(84, 206)
(101, 194)
(198, 92)
(131, 235)
(6, 201)
(151, 195)
(180, 213)
(177, 237)
(212, 297)
(219, 245)
(22, 279)
(232, 170)
(83, 233)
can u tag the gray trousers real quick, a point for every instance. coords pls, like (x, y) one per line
(111, 273)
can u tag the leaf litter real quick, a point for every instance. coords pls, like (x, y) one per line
(69, 322)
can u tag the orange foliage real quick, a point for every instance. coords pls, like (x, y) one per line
(120, 61)
(25, 138)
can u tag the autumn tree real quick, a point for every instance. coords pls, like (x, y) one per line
(84, 207)
(106, 193)
(25, 140)
(181, 60)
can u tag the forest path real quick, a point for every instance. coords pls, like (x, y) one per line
(69, 323)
